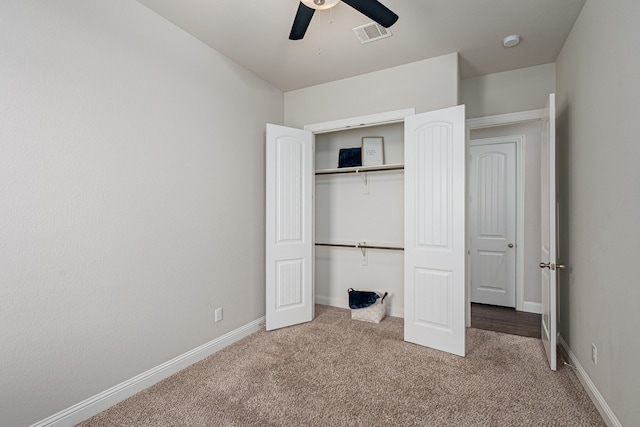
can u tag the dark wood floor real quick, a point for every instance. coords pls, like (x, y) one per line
(504, 319)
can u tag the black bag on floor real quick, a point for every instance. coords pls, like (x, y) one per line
(361, 299)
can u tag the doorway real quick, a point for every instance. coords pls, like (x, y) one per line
(525, 128)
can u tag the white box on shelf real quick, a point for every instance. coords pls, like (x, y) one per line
(372, 150)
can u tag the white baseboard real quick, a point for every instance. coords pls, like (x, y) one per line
(598, 400)
(101, 401)
(333, 302)
(532, 307)
(342, 303)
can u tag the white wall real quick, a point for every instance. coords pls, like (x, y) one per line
(508, 92)
(131, 198)
(531, 156)
(598, 101)
(426, 85)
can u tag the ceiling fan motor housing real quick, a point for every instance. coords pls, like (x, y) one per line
(372, 9)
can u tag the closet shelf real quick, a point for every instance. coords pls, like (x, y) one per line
(359, 169)
(361, 246)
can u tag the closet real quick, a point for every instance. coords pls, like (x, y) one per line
(359, 206)
(397, 227)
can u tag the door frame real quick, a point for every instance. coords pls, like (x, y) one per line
(376, 119)
(361, 121)
(493, 121)
(520, 176)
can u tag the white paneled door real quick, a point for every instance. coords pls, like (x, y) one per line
(435, 230)
(548, 252)
(289, 227)
(492, 233)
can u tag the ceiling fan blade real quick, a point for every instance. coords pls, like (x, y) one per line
(301, 22)
(374, 10)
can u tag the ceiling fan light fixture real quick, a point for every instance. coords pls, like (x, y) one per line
(372, 9)
(320, 4)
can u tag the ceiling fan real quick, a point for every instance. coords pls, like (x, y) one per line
(371, 8)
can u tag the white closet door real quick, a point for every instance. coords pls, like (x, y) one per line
(289, 227)
(434, 271)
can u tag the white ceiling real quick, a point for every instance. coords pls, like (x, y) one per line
(254, 33)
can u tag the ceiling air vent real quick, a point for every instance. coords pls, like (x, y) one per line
(371, 32)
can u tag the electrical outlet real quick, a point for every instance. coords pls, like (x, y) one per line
(594, 353)
(218, 314)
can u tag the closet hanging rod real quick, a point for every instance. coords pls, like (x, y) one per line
(359, 246)
(360, 169)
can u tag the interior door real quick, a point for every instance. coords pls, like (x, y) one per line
(548, 252)
(434, 265)
(289, 227)
(492, 207)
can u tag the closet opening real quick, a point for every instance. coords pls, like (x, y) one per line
(359, 217)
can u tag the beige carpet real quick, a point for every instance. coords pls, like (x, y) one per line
(338, 372)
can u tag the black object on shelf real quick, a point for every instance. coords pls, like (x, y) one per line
(350, 157)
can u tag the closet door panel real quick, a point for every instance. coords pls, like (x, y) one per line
(435, 230)
(289, 227)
